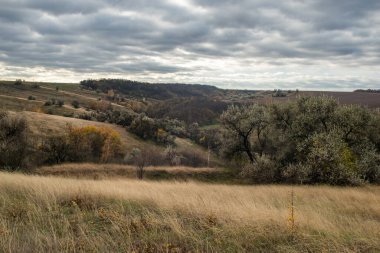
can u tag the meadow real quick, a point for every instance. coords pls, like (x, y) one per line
(53, 214)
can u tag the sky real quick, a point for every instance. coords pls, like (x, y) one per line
(248, 44)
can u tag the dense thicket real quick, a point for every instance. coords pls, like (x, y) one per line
(312, 140)
(83, 144)
(161, 131)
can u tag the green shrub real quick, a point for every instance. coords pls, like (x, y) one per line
(311, 140)
(297, 173)
(75, 104)
(263, 170)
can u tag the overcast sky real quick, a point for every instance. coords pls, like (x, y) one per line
(252, 44)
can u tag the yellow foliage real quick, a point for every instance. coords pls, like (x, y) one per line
(348, 158)
(110, 93)
(101, 140)
(161, 132)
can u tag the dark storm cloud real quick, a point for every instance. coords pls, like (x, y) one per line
(162, 36)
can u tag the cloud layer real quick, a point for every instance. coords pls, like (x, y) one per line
(252, 44)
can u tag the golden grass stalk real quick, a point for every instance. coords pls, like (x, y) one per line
(332, 209)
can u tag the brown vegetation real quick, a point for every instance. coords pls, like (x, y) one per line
(103, 171)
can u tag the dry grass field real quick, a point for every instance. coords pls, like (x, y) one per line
(51, 214)
(112, 171)
(371, 100)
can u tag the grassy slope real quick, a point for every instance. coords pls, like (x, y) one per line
(371, 100)
(43, 125)
(14, 97)
(41, 214)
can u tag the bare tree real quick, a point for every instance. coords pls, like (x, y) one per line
(140, 159)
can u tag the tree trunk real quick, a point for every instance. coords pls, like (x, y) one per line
(247, 147)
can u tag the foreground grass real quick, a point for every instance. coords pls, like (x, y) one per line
(47, 214)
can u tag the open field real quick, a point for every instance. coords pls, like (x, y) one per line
(371, 100)
(45, 214)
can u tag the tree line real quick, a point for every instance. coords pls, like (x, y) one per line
(312, 140)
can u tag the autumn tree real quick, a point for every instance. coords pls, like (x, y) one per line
(89, 143)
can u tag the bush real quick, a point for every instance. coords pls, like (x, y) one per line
(75, 104)
(297, 173)
(56, 149)
(368, 164)
(84, 144)
(13, 141)
(18, 82)
(261, 171)
(330, 159)
(48, 103)
(148, 129)
(31, 98)
(60, 103)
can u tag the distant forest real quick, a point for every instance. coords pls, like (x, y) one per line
(187, 102)
(158, 91)
(368, 90)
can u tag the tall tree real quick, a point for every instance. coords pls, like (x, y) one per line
(244, 121)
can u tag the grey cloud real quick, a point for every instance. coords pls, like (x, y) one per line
(132, 36)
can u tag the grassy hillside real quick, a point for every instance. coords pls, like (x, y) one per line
(42, 125)
(15, 97)
(46, 214)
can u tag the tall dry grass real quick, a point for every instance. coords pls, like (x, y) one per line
(237, 218)
(111, 171)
